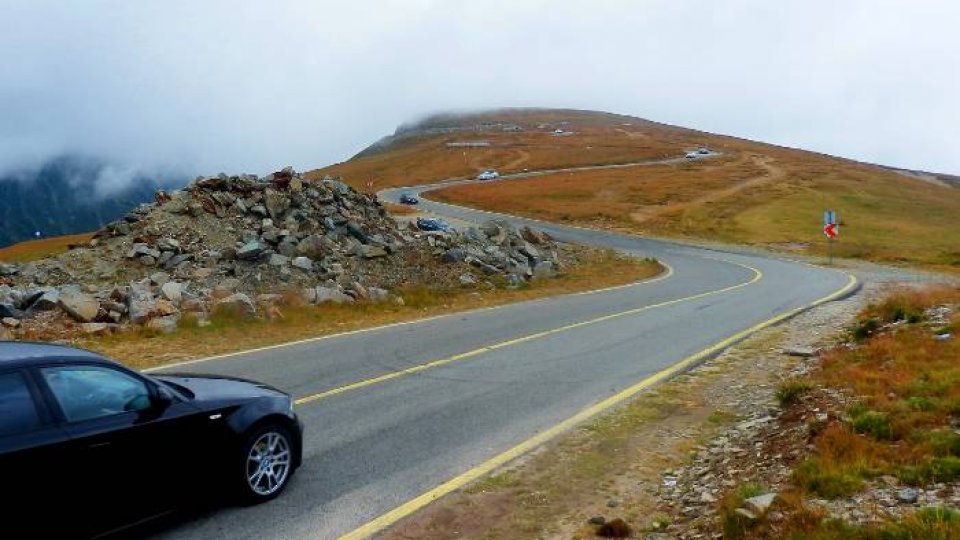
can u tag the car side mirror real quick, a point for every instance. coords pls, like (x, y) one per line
(162, 398)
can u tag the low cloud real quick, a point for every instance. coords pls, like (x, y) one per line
(221, 86)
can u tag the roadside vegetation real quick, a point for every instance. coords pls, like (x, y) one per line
(228, 332)
(900, 379)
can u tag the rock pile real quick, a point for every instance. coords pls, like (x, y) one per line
(248, 243)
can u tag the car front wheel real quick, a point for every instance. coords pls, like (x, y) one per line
(268, 463)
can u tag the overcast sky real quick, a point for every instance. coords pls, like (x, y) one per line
(251, 86)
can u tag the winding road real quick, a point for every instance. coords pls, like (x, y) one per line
(399, 415)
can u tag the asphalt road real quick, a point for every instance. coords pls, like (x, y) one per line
(371, 448)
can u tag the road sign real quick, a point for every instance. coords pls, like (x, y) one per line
(831, 230)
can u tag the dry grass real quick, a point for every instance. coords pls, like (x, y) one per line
(32, 250)
(142, 349)
(908, 388)
(757, 194)
(400, 209)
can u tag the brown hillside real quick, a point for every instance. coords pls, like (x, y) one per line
(754, 193)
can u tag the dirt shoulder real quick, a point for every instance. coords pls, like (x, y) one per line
(627, 464)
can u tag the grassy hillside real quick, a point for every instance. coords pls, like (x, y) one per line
(754, 193)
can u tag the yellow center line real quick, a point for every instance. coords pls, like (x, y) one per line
(378, 524)
(758, 275)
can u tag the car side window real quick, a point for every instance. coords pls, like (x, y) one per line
(87, 392)
(18, 412)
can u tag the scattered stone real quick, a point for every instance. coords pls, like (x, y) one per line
(597, 520)
(802, 352)
(758, 505)
(81, 307)
(172, 291)
(238, 304)
(95, 328)
(908, 495)
(303, 263)
(164, 325)
(10, 322)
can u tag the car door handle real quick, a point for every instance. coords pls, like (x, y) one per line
(99, 445)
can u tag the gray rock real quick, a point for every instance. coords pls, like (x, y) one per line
(597, 520)
(9, 269)
(467, 280)
(159, 278)
(357, 231)
(303, 263)
(172, 291)
(140, 303)
(250, 251)
(372, 252)
(10, 322)
(278, 260)
(453, 255)
(329, 294)
(48, 299)
(95, 328)
(81, 307)
(908, 495)
(377, 294)
(177, 260)
(545, 269)
(148, 260)
(168, 244)
(164, 325)
(759, 504)
(276, 203)
(803, 352)
(239, 304)
(229, 284)
(288, 246)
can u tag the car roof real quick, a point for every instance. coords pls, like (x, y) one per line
(14, 354)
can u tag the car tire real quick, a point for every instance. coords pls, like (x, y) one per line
(266, 463)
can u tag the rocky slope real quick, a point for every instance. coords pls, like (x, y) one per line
(249, 244)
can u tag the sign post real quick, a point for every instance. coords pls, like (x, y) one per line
(831, 229)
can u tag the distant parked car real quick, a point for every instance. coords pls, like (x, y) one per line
(409, 198)
(104, 446)
(434, 224)
(690, 155)
(703, 150)
(488, 174)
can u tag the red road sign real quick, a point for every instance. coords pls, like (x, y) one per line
(830, 229)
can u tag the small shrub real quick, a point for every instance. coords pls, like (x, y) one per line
(827, 483)
(790, 392)
(865, 328)
(944, 443)
(938, 469)
(875, 424)
(920, 403)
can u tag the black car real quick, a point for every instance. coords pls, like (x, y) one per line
(95, 446)
(409, 198)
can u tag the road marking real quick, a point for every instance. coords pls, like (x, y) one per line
(758, 275)
(666, 275)
(378, 524)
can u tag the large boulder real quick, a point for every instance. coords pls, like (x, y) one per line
(81, 307)
(330, 294)
(140, 303)
(172, 291)
(250, 251)
(238, 304)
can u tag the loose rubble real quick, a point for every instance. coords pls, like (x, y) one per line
(248, 244)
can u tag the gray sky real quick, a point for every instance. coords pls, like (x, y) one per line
(211, 86)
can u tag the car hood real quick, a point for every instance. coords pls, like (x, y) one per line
(218, 387)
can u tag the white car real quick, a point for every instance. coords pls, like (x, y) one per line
(690, 155)
(489, 174)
